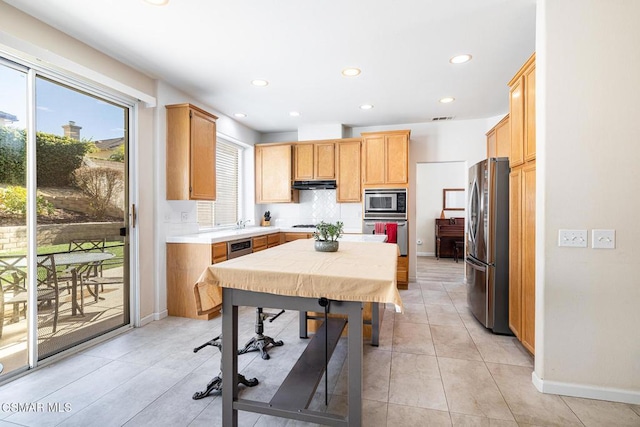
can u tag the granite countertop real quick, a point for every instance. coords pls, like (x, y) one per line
(233, 234)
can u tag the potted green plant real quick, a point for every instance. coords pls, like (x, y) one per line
(327, 235)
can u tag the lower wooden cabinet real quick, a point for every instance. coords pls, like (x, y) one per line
(273, 239)
(402, 272)
(259, 243)
(185, 264)
(522, 228)
(290, 237)
(219, 252)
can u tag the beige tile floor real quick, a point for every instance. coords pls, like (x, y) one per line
(435, 366)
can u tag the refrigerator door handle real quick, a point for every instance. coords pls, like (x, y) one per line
(476, 266)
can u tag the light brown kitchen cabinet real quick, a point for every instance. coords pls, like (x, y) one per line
(522, 114)
(191, 153)
(348, 178)
(273, 164)
(385, 158)
(290, 237)
(402, 272)
(259, 243)
(219, 252)
(273, 239)
(499, 139)
(185, 264)
(314, 161)
(522, 205)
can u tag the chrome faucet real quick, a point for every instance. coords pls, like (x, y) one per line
(241, 223)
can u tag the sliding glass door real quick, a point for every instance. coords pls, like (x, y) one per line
(81, 147)
(13, 208)
(70, 176)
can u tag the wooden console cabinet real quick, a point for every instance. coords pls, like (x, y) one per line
(448, 231)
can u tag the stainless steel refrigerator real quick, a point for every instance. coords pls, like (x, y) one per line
(487, 260)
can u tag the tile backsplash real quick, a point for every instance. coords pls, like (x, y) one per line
(314, 206)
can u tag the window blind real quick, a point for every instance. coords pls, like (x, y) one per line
(224, 211)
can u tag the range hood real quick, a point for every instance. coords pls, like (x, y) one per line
(314, 185)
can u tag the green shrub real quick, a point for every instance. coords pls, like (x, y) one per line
(13, 159)
(56, 157)
(13, 200)
(118, 156)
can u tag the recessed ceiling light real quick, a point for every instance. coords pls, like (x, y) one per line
(447, 100)
(350, 72)
(240, 115)
(259, 82)
(294, 114)
(460, 59)
(366, 107)
(157, 2)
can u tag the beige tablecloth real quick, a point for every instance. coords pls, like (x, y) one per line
(359, 271)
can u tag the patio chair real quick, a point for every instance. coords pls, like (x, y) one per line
(87, 245)
(92, 281)
(48, 291)
(12, 287)
(84, 245)
(14, 290)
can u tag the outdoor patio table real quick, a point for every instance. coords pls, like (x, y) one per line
(295, 276)
(76, 260)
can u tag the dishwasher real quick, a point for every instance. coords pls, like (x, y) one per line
(240, 247)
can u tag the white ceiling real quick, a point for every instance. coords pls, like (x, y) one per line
(213, 49)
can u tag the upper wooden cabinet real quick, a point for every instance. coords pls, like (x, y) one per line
(348, 171)
(499, 139)
(385, 158)
(522, 113)
(314, 161)
(191, 153)
(273, 164)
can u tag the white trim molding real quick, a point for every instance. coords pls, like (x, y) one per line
(586, 391)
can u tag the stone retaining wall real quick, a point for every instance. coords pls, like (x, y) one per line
(15, 238)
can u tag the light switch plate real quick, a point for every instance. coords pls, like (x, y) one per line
(603, 239)
(572, 238)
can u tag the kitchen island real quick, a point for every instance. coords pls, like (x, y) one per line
(188, 255)
(295, 276)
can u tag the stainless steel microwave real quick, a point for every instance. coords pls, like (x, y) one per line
(390, 203)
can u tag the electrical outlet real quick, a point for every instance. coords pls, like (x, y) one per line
(572, 238)
(184, 216)
(603, 239)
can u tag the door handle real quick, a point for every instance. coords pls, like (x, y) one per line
(134, 216)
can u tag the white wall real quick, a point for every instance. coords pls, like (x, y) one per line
(454, 141)
(168, 212)
(28, 38)
(431, 179)
(588, 300)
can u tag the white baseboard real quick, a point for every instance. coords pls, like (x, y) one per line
(425, 254)
(161, 315)
(586, 391)
(153, 316)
